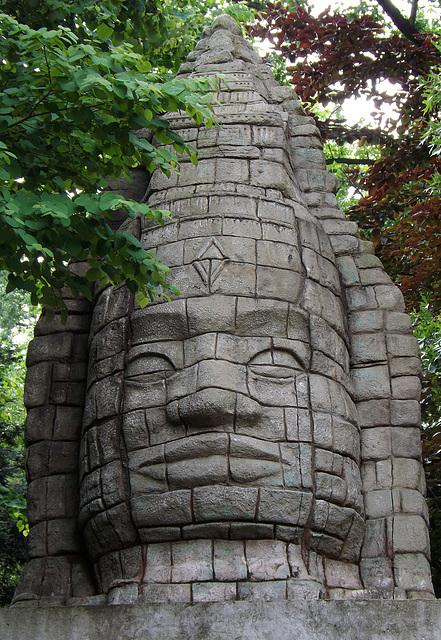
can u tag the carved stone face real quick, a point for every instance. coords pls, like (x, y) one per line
(226, 412)
(230, 412)
(231, 405)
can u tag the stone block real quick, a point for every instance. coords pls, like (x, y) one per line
(125, 594)
(410, 534)
(284, 507)
(410, 501)
(234, 134)
(304, 590)
(398, 322)
(157, 593)
(235, 348)
(373, 413)
(40, 422)
(241, 228)
(213, 591)
(405, 412)
(406, 388)
(192, 561)
(271, 175)
(278, 254)
(296, 562)
(229, 560)
(330, 487)
(344, 244)
(378, 504)
(159, 534)
(405, 366)
(217, 503)
(406, 442)
(407, 473)
(139, 395)
(206, 315)
(389, 297)
(271, 137)
(342, 574)
(371, 382)
(163, 509)
(281, 284)
(63, 537)
(365, 321)
(75, 324)
(326, 545)
(191, 175)
(256, 317)
(51, 347)
(377, 573)
(399, 345)
(231, 169)
(37, 540)
(251, 531)
(376, 443)
(160, 322)
(158, 563)
(361, 298)
(135, 430)
(267, 560)
(200, 227)
(412, 571)
(38, 385)
(368, 347)
(262, 591)
(214, 373)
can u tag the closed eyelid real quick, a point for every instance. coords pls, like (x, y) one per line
(273, 371)
(150, 364)
(277, 360)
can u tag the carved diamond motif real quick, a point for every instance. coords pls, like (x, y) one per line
(210, 262)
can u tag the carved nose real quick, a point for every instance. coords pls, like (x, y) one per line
(217, 409)
(208, 409)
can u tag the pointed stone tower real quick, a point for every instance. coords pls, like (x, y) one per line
(256, 438)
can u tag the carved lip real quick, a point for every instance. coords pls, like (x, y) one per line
(208, 459)
(220, 444)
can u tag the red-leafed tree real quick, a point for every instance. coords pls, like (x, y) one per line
(333, 57)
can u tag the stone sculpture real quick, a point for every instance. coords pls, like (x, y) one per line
(257, 437)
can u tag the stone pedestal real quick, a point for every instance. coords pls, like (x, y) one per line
(301, 620)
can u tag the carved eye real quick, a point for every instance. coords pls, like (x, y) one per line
(275, 364)
(150, 368)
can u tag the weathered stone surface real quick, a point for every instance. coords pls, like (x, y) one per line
(256, 621)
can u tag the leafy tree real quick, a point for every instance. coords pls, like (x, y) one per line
(79, 99)
(17, 318)
(337, 56)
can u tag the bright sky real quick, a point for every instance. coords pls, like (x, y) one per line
(356, 108)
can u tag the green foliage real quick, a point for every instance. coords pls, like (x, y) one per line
(74, 107)
(427, 329)
(17, 318)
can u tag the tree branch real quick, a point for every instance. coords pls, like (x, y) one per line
(413, 12)
(405, 25)
(350, 161)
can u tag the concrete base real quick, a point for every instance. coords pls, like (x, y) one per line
(318, 620)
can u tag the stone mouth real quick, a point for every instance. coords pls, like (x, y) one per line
(207, 459)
